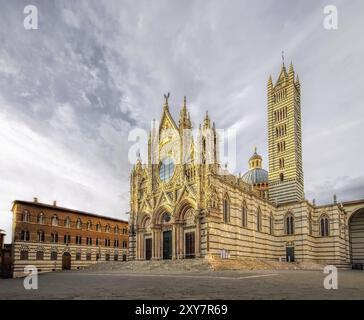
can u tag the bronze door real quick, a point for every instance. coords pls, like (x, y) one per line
(148, 249)
(167, 245)
(190, 245)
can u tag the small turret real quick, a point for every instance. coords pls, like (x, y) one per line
(184, 120)
(206, 121)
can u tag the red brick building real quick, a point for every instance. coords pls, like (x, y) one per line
(56, 238)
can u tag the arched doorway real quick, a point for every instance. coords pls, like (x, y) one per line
(66, 261)
(356, 236)
(187, 232)
(167, 236)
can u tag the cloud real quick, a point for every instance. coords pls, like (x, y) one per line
(73, 89)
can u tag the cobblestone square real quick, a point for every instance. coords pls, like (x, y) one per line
(100, 284)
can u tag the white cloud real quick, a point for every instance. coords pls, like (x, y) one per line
(72, 90)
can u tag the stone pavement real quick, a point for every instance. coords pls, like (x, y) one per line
(181, 284)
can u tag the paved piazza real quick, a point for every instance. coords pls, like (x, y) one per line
(86, 284)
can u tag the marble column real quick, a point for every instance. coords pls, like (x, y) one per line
(153, 244)
(198, 237)
(181, 240)
(137, 238)
(178, 232)
(174, 238)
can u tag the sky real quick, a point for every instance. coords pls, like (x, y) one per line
(72, 90)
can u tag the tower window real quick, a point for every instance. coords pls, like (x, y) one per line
(281, 177)
(244, 215)
(281, 163)
(289, 227)
(324, 226)
(259, 220)
(226, 210)
(271, 224)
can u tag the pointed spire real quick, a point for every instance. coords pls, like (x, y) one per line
(206, 122)
(184, 121)
(291, 70)
(270, 79)
(297, 80)
(283, 59)
(184, 108)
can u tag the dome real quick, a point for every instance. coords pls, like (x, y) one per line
(255, 176)
(255, 156)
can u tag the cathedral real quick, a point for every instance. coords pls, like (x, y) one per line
(184, 204)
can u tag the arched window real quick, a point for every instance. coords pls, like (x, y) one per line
(79, 223)
(40, 236)
(54, 237)
(309, 223)
(98, 227)
(226, 209)
(67, 239)
(40, 218)
(25, 216)
(116, 229)
(78, 239)
(67, 222)
(54, 255)
(289, 223)
(271, 224)
(24, 236)
(39, 255)
(55, 221)
(244, 215)
(24, 255)
(89, 225)
(259, 219)
(281, 177)
(324, 226)
(107, 228)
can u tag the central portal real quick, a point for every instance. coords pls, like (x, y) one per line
(167, 245)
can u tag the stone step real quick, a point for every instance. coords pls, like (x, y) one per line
(215, 263)
(170, 265)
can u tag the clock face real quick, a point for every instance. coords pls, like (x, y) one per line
(166, 169)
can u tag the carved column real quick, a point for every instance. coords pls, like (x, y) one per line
(153, 244)
(159, 248)
(137, 238)
(198, 237)
(174, 241)
(181, 239)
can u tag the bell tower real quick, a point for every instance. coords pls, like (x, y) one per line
(284, 138)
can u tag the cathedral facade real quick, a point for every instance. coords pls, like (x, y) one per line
(184, 204)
